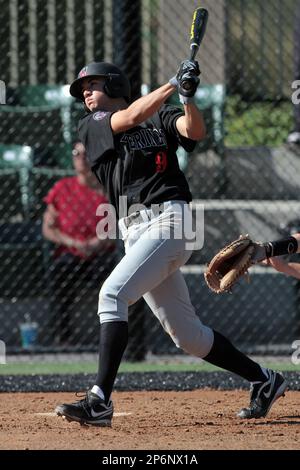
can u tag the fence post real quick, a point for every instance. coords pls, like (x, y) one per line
(127, 41)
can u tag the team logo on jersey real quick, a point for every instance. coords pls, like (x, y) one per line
(161, 162)
(145, 138)
(99, 115)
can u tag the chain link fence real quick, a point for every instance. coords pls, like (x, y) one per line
(244, 173)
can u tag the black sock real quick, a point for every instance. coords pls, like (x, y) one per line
(113, 342)
(223, 354)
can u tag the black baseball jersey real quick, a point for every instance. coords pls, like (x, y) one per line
(140, 163)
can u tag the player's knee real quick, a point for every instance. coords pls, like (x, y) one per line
(116, 295)
(111, 295)
(107, 295)
(197, 344)
(112, 306)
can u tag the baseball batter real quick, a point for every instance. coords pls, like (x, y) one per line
(132, 150)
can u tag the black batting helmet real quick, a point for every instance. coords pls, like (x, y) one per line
(116, 83)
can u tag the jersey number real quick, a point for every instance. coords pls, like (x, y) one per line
(161, 162)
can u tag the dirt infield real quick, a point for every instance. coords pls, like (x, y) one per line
(201, 419)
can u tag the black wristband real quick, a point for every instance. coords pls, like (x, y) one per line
(284, 246)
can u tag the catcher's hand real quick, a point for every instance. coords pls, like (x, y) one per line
(232, 262)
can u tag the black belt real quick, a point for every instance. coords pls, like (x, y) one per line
(137, 218)
(144, 215)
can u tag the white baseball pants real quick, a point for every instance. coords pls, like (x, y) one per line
(156, 248)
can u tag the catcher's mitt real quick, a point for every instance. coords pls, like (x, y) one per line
(230, 263)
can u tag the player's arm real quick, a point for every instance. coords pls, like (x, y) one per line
(50, 230)
(297, 236)
(141, 109)
(283, 266)
(280, 264)
(191, 125)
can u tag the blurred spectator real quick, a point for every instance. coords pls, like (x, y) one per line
(80, 261)
(294, 136)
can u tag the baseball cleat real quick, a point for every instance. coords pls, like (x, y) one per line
(91, 410)
(263, 395)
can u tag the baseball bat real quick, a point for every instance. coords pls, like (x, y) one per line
(198, 29)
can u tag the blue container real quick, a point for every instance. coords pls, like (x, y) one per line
(29, 333)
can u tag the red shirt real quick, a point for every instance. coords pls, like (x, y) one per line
(76, 206)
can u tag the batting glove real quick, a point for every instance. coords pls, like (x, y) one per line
(188, 80)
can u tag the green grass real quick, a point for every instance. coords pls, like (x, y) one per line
(91, 368)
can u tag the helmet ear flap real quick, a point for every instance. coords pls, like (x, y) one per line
(108, 86)
(112, 86)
